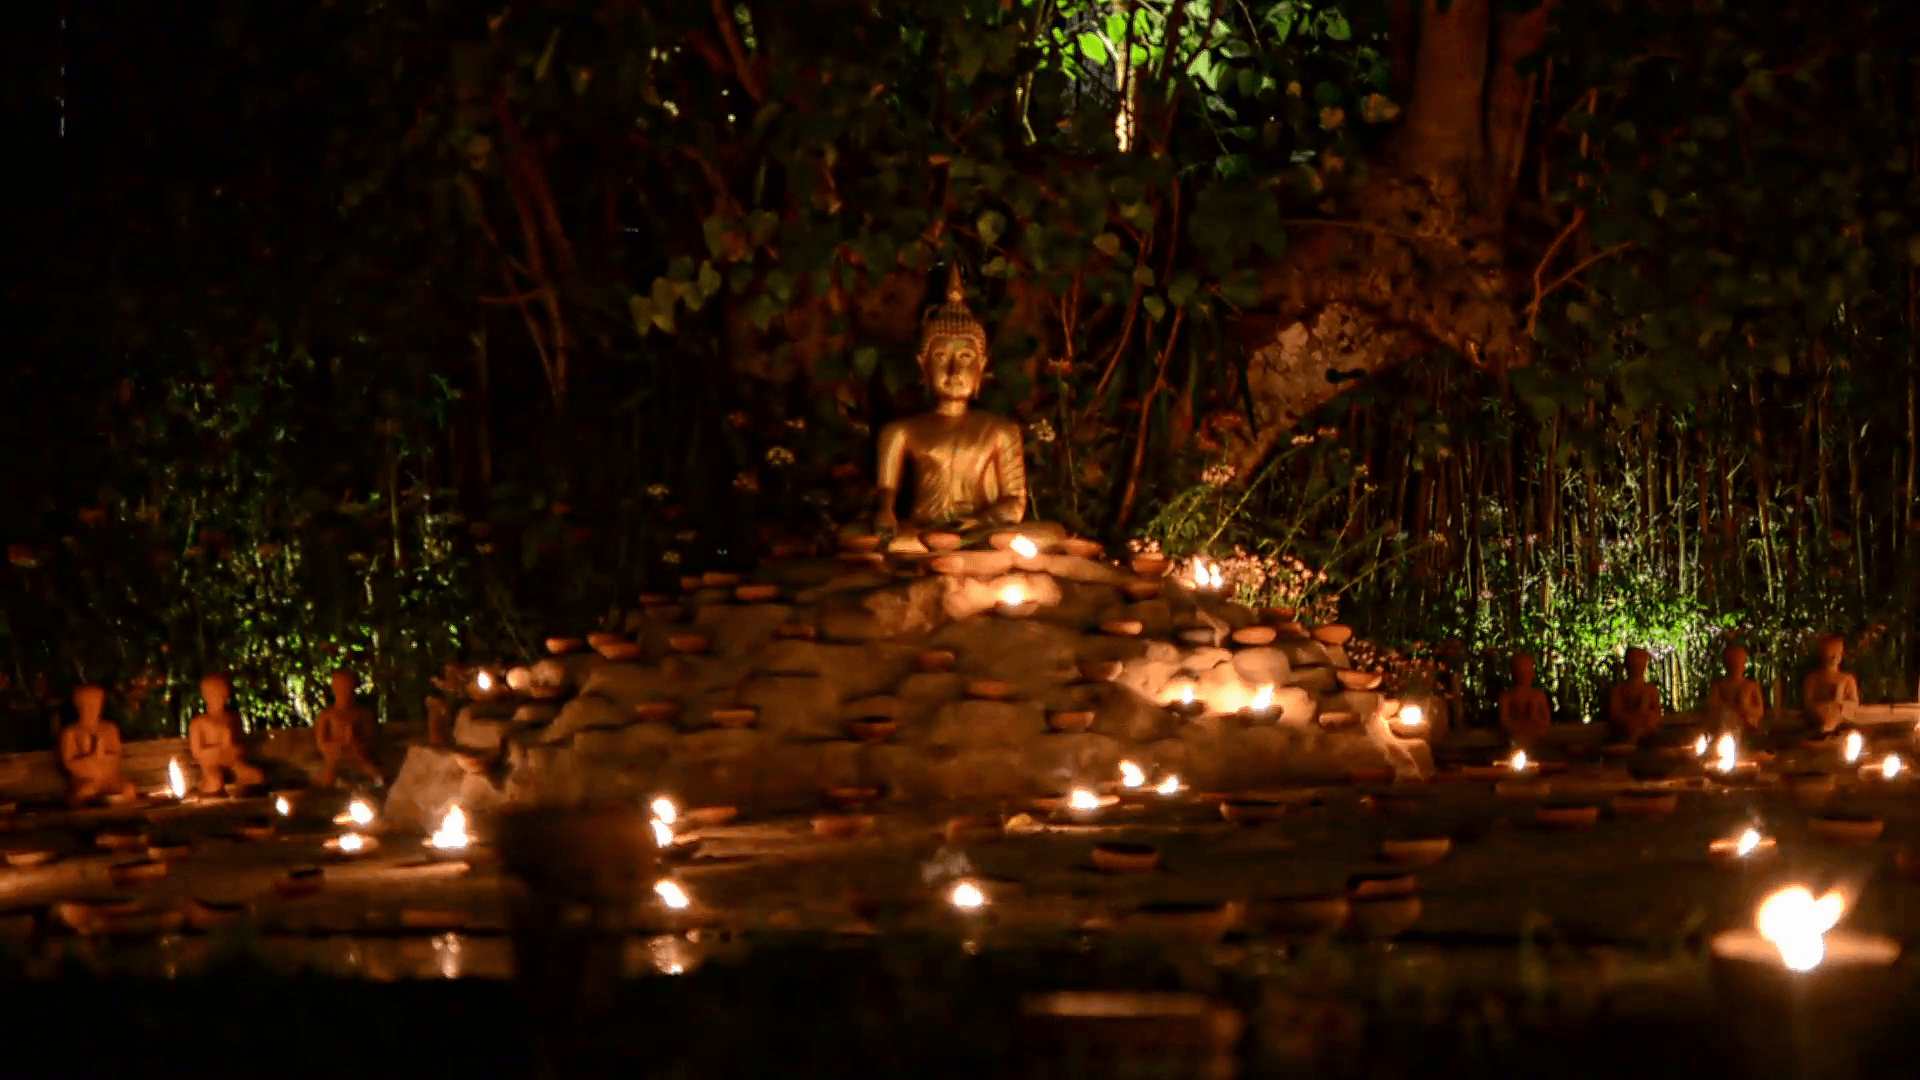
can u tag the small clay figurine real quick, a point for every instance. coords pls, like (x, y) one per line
(213, 738)
(90, 750)
(1524, 711)
(344, 732)
(1831, 696)
(1735, 700)
(1634, 705)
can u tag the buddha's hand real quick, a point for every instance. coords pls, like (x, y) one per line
(886, 522)
(1005, 511)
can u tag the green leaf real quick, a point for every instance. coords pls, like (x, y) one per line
(709, 280)
(864, 360)
(991, 224)
(1143, 277)
(995, 267)
(1156, 307)
(1093, 48)
(1108, 244)
(761, 225)
(1659, 200)
(1181, 289)
(642, 309)
(970, 60)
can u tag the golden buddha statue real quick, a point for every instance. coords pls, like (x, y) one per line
(970, 468)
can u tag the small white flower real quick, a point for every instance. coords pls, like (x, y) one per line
(747, 482)
(671, 558)
(1042, 430)
(658, 491)
(779, 456)
(798, 423)
(1217, 475)
(1332, 116)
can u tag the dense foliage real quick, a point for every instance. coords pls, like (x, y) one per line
(387, 333)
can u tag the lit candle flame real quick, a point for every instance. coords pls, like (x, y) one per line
(452, 833)
(484, 681)
(1412, 716)
(1796, 924)
(1169, 786)
(1726, 752)
(1186, 694)
(1263, 698)
(664, 809)
(1891, 767)
(1082, 799)
(352, 842)
(176, 779)
(359, 812)
(1700, 745)
(1013, 594)
(1131, 775)
(662, 834)
(967, 896)
(1749, 841)
(1024, 547)
(1206, 575)
(1518, 762)
(671, 894)
(1850, 750)
(281, 806)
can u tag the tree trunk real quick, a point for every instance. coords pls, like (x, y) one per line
(1423, 266)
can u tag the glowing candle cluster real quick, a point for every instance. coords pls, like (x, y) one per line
(176, 779)
(967, 896)
(452, 834)
(1793, 921)
(1132, 776)
(1207, 575)
(672, 895)
(359, 814)
(1726, 753)
(1851, 746)
(665, 813)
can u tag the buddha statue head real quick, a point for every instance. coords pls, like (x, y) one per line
(953, 348)
(216, 689)
(1637, 659)
(1831, 648)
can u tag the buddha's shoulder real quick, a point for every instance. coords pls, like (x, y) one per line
(994, 422)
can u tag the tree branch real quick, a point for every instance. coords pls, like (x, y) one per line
(742, 66)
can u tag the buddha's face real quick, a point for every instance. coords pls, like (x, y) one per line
(344, 684)
(1523, 669)
(1637, 663)
(953, 366)
(1736, 661)
(1830, 652)
(89, 699)
(215, 691)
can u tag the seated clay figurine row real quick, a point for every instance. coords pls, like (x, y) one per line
(1830, 696)
(92, 754)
